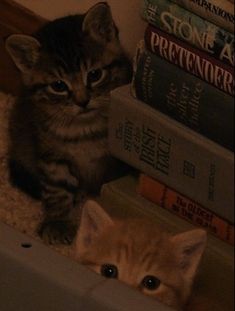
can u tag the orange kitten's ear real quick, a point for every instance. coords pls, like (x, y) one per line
(189, 247)
(24, 50)
(99, 24)
(94, 220)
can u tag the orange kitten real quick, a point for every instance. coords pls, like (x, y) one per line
(140, 254)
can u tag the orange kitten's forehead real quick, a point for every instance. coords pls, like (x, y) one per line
(141, 254)
(138, 248)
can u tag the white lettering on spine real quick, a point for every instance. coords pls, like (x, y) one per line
(193, 63)
(226, 53)
(187, 32)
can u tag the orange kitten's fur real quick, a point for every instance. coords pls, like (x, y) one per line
(138, 248)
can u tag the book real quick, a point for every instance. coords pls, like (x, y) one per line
(168, 151)
(191, 28)
(119, 198)
(184, 97)
(157, 192)
(193, 60)
(218, 12)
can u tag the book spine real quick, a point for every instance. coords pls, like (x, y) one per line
(185, 208)
(218, 12)
(172, 153)
(191, 28)
(184, 97)
(190, 59)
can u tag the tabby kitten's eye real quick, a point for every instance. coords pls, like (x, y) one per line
(150, 282)
(95, 76)
(109, 271)
(59, 86)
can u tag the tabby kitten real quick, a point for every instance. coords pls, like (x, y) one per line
(140, 254)
(59, 124)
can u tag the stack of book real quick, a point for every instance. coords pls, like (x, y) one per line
(186, 70)
(175, 122)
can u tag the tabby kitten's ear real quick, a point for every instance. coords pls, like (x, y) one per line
(94, 220)
(189, 247)
(99, 24)
(24, 51)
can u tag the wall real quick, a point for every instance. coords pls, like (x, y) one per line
(125, 13)
(14, 18)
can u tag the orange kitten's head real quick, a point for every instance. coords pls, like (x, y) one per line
(140, 254)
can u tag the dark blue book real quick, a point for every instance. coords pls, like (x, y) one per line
(184, 97)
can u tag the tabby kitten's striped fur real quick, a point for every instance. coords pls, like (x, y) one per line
(59, 124)
(140, 254)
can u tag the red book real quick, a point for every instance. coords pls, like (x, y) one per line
(192, 60)
(182, 206)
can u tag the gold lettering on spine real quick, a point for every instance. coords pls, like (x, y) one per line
(172, 96)
(194, 104)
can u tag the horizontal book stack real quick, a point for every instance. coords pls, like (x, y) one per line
(195, 167)
(175, 122)
(186, 69)
(186, 208)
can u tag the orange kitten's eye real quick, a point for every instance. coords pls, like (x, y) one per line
(150, 282)
(109, 271)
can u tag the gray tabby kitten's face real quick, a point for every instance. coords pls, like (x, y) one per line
(70, 66)
(140, 254)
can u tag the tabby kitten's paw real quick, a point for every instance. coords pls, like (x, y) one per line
(58, 231)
